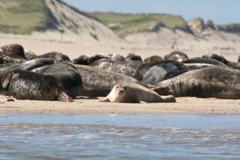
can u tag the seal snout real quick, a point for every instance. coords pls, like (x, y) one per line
(121, 89)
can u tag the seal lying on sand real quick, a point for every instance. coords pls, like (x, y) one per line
(176, 56)
(218, 82)
(58, 56)
(153, 59)
(153, 73)
(124, 67)
(28, 85)
(220, 58)
(134, 93)
(133, 57)
(68, 75)
(13, 51)
(97, 82)
(87, 60)
(28, 65)
(199, 63)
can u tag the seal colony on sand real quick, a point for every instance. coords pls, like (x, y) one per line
(53, 76)
(134, 93)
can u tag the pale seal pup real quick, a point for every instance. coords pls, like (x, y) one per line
(218, 82)
(134, 93)
(34, 86)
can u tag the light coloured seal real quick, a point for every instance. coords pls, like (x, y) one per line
(134, 93)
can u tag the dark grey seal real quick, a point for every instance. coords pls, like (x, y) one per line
(124, 67)
(67, 73)
(153, 73)
(97, 82)
(14, 51)
(58, 56)
(29, 54)
(222, 59)
(133, 57)
(28, 65)
(199, 63)
(218, 82)
(176, 56)
(86, 60)
(153, 59)
(34, 86)
(116, 57)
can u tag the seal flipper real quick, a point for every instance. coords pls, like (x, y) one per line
(63, 97)
(106, 99)
(6, 78)
(168, 98)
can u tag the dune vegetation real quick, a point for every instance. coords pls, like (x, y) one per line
(121, 23)
(25, 16)
(22, 16)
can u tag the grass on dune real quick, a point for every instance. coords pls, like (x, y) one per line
(22, 16)
(132, 22)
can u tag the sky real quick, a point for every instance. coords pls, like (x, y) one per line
(219, 11)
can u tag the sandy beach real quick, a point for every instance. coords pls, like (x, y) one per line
(41, 44)
(186, 105)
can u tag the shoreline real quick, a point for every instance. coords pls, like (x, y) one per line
(186, 105)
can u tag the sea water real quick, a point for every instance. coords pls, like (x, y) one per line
(73, 137)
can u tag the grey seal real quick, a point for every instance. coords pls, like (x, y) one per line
(124, 67)
(218, 82)
(67, 73)
(13, 51)
(34, 86)
(58, 56)
(153, 73)
(97, 82)
(176, 56)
